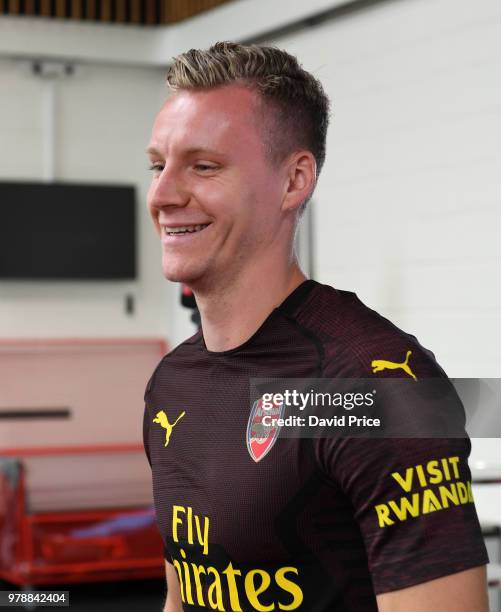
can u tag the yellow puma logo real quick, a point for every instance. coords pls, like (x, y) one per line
(164, 422)
(382, 364)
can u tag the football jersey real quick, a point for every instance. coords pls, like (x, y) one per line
(314, 524)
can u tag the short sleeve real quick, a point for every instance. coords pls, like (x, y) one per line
(146, 415)
(411, 496)
(413, 503)
(146, 434)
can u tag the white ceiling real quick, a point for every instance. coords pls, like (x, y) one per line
(26, 37)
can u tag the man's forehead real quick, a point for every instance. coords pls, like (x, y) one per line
(201, 117)
(228, 96)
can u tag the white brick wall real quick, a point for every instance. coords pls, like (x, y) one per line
(408, 208)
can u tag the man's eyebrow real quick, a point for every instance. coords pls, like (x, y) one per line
(191, 151)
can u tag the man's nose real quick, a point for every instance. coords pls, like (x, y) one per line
(168, 190)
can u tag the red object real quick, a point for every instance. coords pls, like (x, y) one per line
(72, 546)
(113, 536)
(187, 297)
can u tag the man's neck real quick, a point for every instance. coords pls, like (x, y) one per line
(230, 316)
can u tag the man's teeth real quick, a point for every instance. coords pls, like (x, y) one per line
(184, 229)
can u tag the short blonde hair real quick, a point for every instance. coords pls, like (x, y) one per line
(295, 108)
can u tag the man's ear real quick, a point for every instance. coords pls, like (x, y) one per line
(301, 174)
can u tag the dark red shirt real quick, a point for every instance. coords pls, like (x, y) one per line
(321, 525)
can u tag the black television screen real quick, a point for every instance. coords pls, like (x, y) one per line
(67, 231)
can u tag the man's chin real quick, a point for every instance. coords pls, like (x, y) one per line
(181, 274)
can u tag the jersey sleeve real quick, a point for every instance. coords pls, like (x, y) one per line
(413, 503)
(146, 415)
(412, 496)
(146, 434)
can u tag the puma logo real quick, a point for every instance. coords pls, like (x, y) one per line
(382, 364)
(162, 419)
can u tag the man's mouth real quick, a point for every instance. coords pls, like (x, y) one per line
(184, 229)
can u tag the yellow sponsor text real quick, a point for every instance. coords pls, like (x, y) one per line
(438, 488)
(206, 586)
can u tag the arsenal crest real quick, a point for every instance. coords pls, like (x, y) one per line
(261, 437)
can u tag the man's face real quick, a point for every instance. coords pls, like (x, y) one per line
(211, 174)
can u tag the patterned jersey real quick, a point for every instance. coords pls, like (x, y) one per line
(315, 524)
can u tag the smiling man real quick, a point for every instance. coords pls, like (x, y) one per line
(249, 523)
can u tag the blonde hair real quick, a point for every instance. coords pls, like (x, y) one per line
(294, 106)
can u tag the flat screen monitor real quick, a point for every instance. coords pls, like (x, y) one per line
(67, 231)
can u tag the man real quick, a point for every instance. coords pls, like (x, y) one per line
(313, 525)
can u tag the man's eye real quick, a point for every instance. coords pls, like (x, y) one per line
(156, 167)
(204, 167)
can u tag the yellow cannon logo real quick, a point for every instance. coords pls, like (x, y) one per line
(162, 419)
(383, 364)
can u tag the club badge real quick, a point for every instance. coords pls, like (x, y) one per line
(262, 436)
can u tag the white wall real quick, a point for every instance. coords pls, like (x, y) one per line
(408, 209)
(104, 118)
